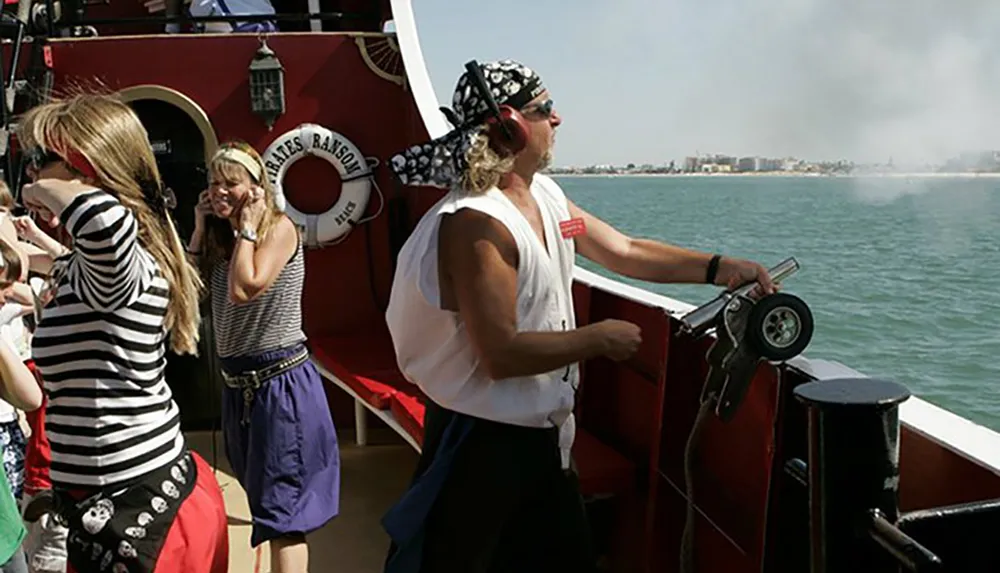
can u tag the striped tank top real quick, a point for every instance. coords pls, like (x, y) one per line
(272, 320)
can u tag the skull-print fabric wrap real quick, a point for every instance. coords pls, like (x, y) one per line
(13, 443)
(123, 531)
(440, 162)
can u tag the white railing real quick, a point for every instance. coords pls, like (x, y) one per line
(947, 429)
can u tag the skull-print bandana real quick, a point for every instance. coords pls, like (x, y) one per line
(440, 162)
(124, 531)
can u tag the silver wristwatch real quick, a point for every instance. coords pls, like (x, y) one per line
(248, 234)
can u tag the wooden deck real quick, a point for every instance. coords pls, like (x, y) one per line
(372, 479)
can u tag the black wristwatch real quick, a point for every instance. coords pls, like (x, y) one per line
(248, 234)
(713, 269)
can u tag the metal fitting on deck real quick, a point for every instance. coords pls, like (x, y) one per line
(853, 478)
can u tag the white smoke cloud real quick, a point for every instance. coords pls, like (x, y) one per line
(913, 80)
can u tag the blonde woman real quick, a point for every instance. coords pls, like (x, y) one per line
(134, 496)
(280, 438)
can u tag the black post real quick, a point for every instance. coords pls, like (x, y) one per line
(853, 469)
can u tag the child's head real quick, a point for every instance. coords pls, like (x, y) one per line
(14, 267)
(13, 259)
(6, 198)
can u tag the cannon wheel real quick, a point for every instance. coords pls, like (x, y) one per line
(779, 327)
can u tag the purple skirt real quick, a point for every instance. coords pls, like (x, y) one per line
(286, 457)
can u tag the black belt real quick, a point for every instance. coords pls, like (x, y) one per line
(251, 380)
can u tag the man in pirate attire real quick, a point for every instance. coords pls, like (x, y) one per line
(481, 316)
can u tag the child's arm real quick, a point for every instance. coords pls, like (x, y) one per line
(17, 384)
(28, 230)
(20, 293)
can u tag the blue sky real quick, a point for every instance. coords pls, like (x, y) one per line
(650, 81)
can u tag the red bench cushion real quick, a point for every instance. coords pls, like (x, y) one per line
(409, 412)
(366, 363)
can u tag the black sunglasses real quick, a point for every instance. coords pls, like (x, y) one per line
(38, 158)
(544, 108)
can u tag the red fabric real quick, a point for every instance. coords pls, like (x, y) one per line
(409, 412)
(366, 363)
(198, 540)
(369, 389)
(38, 453)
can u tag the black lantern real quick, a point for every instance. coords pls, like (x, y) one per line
(267, 85)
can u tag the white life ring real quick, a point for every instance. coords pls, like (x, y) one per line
(337, 150)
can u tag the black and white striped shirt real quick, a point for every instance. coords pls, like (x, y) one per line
(100, 347)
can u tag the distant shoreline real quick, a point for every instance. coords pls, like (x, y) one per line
(957, 175)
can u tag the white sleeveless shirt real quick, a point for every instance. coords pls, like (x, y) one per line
(432, 347)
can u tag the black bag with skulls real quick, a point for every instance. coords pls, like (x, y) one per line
(124, 531)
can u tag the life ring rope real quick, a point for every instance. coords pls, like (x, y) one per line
(373, 163)
(357, 174)
(362, 176)
(353, 224)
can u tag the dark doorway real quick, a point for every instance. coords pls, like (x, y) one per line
(180, 155)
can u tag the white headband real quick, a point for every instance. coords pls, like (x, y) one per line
(241, 157)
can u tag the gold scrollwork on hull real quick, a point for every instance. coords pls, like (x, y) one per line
(381, 55)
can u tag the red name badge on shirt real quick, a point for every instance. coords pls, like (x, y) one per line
(572, 228)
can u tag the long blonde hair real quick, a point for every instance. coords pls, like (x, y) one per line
(486, 166)
(108, 135)
(219, 239)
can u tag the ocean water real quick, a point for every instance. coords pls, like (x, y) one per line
(902, 274)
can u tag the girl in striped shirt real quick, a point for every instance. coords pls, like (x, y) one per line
(133, 495)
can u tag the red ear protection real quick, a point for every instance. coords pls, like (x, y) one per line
(509, 141)
(77, 161)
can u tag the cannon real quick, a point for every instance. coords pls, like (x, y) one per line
(749, 328)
